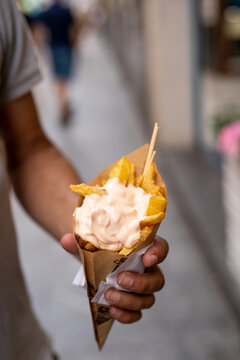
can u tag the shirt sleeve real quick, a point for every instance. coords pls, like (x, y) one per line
(19, 70)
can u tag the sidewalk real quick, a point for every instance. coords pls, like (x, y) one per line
(190, 320)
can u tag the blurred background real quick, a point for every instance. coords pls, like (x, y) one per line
(129, 64)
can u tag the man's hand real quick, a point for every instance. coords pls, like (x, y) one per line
(126, 306)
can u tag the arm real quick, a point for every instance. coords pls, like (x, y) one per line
(41, 178)
(40, 174)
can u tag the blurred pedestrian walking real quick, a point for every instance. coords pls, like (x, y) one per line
(62, 31)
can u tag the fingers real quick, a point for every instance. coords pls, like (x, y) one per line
(156, 253)
(126, 307)
(129, 301)
(68, 242)
(146, 283)
(123, 316)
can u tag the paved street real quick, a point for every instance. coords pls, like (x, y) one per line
(190, 320)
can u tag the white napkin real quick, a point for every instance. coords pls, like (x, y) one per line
(79, 279)
(133, 263)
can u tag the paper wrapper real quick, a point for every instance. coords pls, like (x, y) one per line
(97, 265)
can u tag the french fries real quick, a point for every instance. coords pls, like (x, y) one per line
(152, 219)
(157, 204)
(85, 190)
(145, 232)
(131, 175)
(139, 180)
(149, 183)
(125, 172)
(90, 247)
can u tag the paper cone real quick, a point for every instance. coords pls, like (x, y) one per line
(97, 265)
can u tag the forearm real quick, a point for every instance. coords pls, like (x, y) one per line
(41, 183)
(40, 174)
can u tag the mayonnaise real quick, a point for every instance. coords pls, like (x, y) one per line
(112, 221)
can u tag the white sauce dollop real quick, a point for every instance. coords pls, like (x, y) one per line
(112, 221)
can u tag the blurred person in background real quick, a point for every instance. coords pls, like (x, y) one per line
(62, 30)
(40, 176)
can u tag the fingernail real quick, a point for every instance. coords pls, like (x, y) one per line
(112, 296)
(125, 280)
(115, 312)
(153, 260)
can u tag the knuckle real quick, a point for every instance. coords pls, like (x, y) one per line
(121, 320)
(166, 247)
(143, 286)
(126, 317)
(160, 283)
(130, 317)
(139, 316)
(148, 302)
(151, 301)
(124, 300)
(138, 303)
(135, 317)
(121, 298)
(163, 248)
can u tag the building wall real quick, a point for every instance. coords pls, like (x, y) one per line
(168, 69)
(152, 40)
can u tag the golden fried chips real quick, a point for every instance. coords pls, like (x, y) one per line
(125, 172)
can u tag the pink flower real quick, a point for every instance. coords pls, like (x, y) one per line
(229, 139)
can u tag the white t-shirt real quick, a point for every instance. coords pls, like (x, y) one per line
(21, 337)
